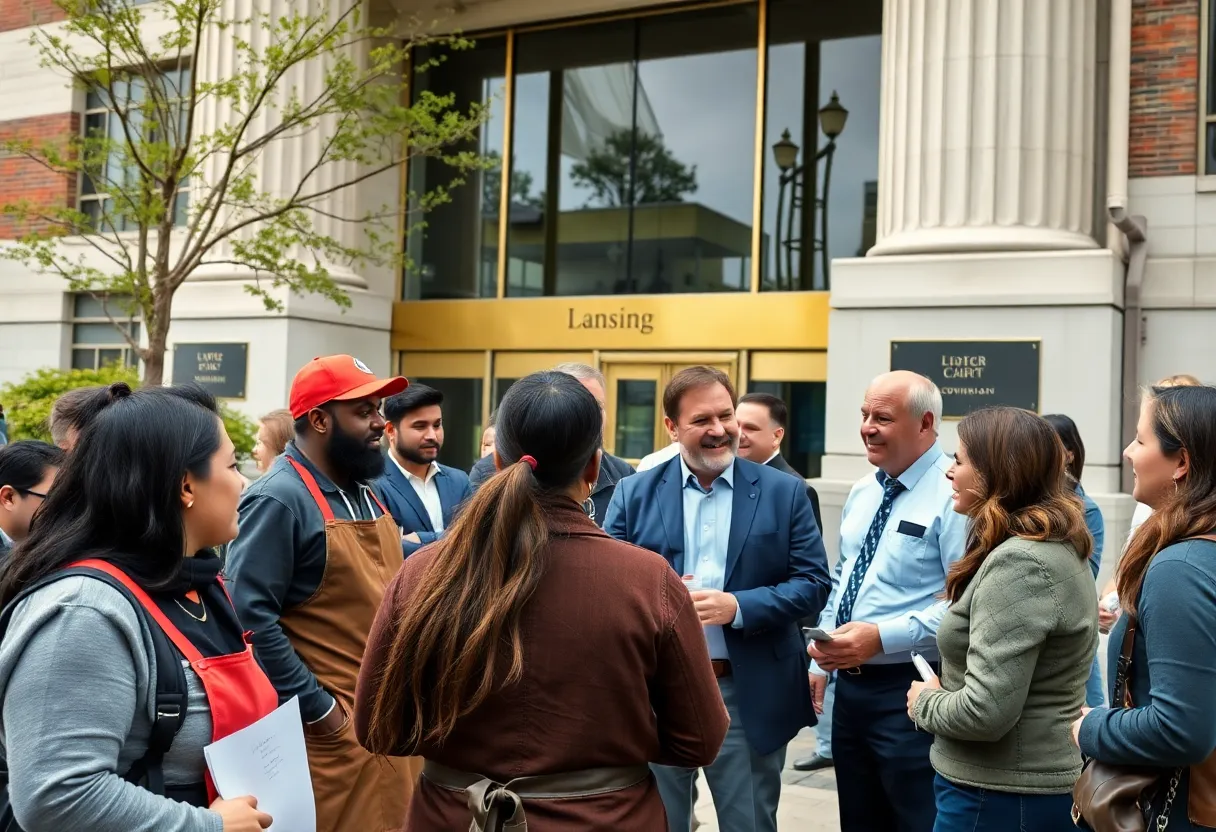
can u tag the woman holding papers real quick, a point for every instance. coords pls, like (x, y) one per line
(537, 664)
(1017, 639)
(121, 655)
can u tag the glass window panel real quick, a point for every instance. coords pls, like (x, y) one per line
(461, 419)
(87, 306)
(646, 188)
(1211, 68)
(181, 208)
(92, 209)
(84, 359)
(93, 100)
(1210, 163)
(98, 333)
(95, 125)
(811, 56)
(804, 443)
(501, 386)
(456, 255)
(107, 357)
(635, 417)
(693, 168)
(526, 231)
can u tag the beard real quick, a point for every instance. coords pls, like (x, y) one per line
(354, 456)
(418, 455)
(719, 462)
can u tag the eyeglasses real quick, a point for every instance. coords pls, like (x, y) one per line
(30, 493)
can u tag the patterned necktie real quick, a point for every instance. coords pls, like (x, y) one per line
(890, 490)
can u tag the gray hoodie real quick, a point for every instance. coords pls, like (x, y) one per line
(77, 683)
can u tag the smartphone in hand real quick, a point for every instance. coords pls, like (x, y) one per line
(816, 634)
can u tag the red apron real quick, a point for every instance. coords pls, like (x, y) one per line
(238, 691)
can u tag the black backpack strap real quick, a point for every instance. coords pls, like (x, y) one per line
(171, 690)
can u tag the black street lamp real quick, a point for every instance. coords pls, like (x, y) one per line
(832, 119)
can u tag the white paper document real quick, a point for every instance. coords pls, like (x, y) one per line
(268, 760)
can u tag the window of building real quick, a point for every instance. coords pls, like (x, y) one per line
(633, 154)
(626, 176)
(821, 154)
(119, 169)
(1207, 113)
(96, 341)
(456, 254)
(804, 444)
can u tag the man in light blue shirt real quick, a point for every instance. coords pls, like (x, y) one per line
(899, 535)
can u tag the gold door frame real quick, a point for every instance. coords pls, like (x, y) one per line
(658, 367)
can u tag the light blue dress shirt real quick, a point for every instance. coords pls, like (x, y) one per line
(706, 533)
(922, 538)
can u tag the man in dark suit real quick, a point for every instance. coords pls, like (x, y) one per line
(612, 468)
(421, 494)
(763, 419)
(744, 537)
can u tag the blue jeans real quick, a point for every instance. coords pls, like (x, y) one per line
(969, 809)
(745, 785)
(1095, 692)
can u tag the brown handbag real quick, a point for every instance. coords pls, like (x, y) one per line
(1113, 798)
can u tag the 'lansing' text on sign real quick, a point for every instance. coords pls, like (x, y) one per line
(974, 374)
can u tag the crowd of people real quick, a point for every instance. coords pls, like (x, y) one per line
(556, 640)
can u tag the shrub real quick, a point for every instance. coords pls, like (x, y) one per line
(27, 403)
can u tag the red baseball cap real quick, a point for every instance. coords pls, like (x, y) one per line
(337, 378)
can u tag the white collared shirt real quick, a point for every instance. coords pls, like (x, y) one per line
(427, 491)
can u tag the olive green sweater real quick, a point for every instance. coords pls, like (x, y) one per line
(1016, 650)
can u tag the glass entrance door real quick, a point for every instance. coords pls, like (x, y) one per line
(634, 424)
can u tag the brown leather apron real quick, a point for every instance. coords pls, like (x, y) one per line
(355, 791)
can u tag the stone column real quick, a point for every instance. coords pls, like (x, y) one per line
(987, 126)
(281, 166)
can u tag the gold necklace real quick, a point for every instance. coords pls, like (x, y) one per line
(192, 615)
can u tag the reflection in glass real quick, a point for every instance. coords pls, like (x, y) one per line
(526, 231)
(461, 419)
(456, 254)
(803, 446)
(619, 136)
(820, 164)
(635, 417)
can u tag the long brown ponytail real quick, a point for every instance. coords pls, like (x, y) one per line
(459, 639)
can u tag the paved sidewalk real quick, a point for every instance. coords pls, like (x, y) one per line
(808, 799)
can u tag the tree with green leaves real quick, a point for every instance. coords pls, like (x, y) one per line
(173, 158)
(632, 167)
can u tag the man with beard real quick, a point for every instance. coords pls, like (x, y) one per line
(315, 552)
(745, 539)
(420, 493)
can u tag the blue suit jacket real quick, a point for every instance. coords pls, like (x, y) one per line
(406, 506)
(776, 568)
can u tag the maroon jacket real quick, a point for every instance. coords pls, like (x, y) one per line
(616, 673)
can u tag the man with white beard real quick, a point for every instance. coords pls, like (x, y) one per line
(745, 539)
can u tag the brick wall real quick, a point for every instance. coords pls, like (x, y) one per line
(1165, 87)
(22, 178)
(17, 14)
